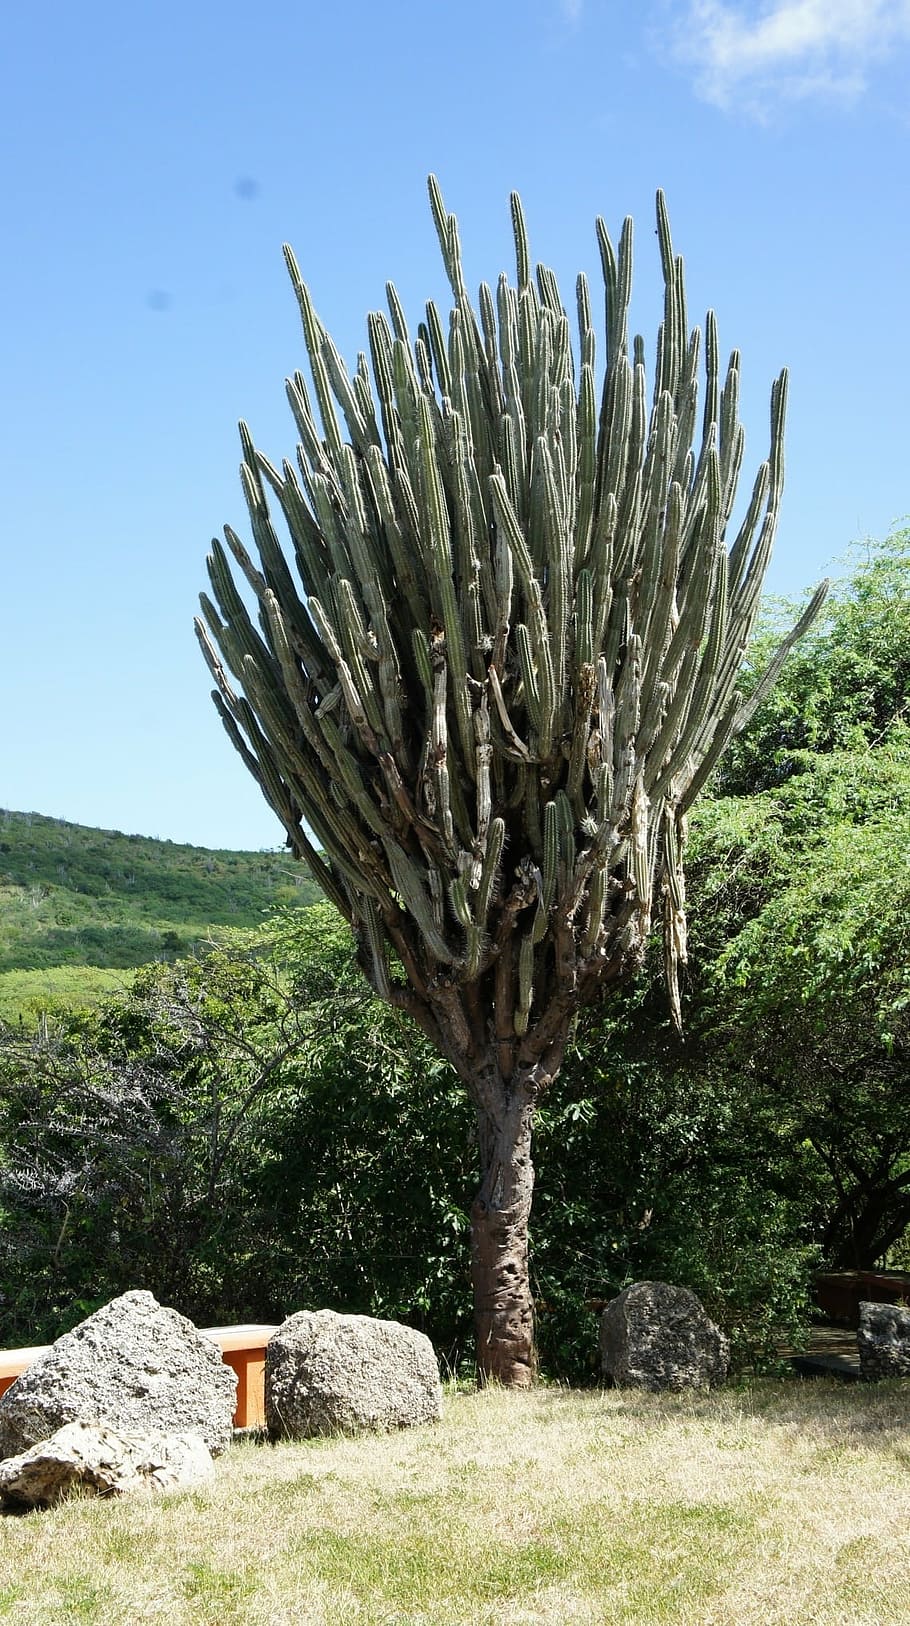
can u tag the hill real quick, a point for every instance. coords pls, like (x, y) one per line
(95, 903)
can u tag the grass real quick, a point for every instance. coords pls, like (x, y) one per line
(22, 993)
(779, 1503)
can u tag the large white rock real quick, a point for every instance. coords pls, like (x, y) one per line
(654, 1336)
(103, 1462)
(131, 1365)
(327, 1373)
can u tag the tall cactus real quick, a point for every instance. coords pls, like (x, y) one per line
(499, 667)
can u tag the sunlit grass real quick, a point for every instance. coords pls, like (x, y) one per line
(23, 993)
(780, 1503)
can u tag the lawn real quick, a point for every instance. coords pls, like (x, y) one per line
(773, 1503)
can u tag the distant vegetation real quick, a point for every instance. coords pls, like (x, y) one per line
(78, 906)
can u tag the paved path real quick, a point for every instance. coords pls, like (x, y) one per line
(830, 1352)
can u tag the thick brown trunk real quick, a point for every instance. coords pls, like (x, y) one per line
(865, 1225)
(503, 1306)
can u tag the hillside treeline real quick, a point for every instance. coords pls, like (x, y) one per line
(80, 907)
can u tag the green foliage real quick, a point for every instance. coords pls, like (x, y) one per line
(836, 926)
(26, 995)
(800, 929)
(227, 1135)
(805, 904)
(254, 1133)
(846, 683)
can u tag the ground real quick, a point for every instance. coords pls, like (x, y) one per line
(771, 1504)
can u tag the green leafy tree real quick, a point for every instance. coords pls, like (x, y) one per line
(846, 684)
(815, 988)
(498, 669)
(226, 1134)
(801, 918)
(254, 1132)
(125, 1135)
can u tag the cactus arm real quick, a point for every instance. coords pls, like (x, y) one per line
(501, 657)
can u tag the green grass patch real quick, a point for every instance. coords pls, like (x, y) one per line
(504, 1515)
(23, 994)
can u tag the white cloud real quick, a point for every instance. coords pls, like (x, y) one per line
(790, 48)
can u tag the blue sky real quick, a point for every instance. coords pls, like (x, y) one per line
(155, 157)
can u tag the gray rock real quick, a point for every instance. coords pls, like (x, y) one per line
(653, 1336)
(102, 1462)
(884, 1341)
(133, 1365)
(328, 1373)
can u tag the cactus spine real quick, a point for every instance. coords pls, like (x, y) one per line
(502, 660)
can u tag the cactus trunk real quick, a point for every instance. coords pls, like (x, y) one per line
(500, 1214)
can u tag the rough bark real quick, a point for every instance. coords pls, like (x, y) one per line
(865, 1225)
(503, 1302)
(505, 1076)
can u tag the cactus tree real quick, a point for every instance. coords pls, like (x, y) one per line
(496, 667)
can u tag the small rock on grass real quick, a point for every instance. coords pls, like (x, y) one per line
(656, 1336)
(102, 1462)
(884, 1341)
(327, 1373)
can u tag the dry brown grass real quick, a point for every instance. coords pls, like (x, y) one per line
(780, 1504)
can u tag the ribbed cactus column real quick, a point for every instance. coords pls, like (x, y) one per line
(496, 665)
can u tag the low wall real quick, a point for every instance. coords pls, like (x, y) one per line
(839, 1293)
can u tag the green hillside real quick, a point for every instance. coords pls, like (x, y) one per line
(78, 906)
